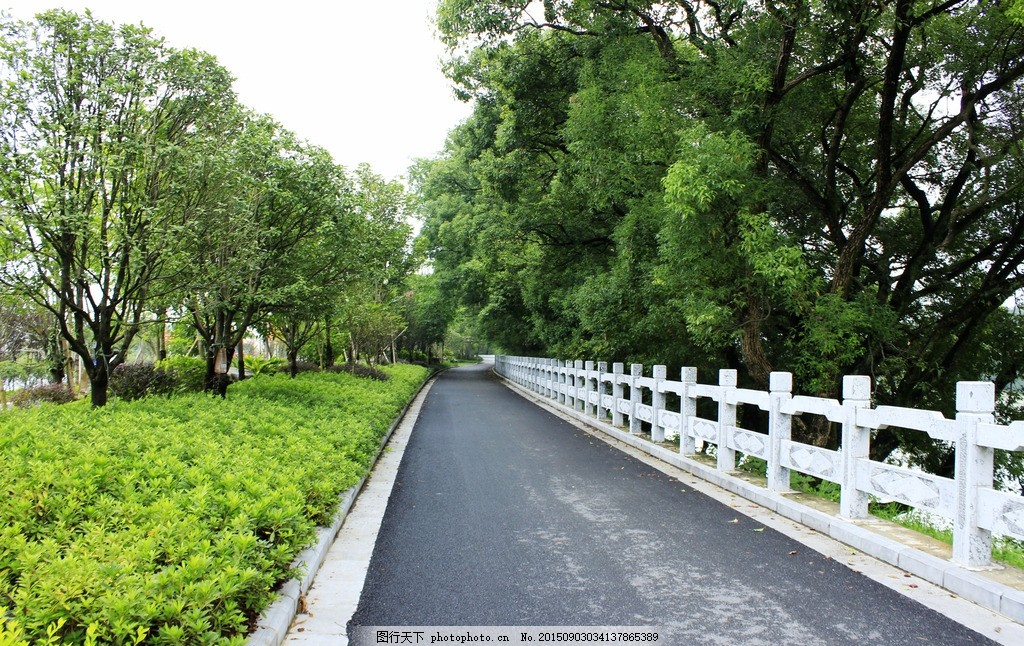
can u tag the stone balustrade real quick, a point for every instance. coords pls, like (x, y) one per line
(631, 400)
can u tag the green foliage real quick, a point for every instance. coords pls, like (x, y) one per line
(173, 520)
(753, 465)
(1015, 11)
(1009, 550)
(131, 381)
(49, 393)
(371, 327)
(12, 371)
(1004, 549)
(819, 188)
(427, 312)
(189, 372)
(809, 484)
(834, 334)
(701, 260)
(10, 631)
(264, 366)
(362, 370)
(99, 126)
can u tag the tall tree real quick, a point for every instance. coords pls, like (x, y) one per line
(316, 271)
(427, 314)
(93, 118)
(274, 193)
(381, 250)
(825, 188)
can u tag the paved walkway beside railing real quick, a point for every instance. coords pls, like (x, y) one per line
(627, 405)
(505, 514)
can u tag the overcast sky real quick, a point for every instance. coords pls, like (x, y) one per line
(360, 78)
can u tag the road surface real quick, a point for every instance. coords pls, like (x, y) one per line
(505, 514)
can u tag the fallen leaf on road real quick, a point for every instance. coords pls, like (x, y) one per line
(735, 520)
(792, 552)
(759, 529)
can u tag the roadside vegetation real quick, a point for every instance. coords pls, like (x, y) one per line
(153, 208)
(825, 189)
(173, 519)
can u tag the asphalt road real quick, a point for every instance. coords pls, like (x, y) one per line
(504, 514)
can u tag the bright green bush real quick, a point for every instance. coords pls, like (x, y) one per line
(172, 520)
(10, 632)
(189, 372)
(257, 365)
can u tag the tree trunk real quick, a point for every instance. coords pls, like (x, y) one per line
(161, 338)
(328, 346)
(57, 357)
(293, 362)
(99, 379)
(222, 385)
(241, 360)
(752, 345)
(210, 381)
(217, 382)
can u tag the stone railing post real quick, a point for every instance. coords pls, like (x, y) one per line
(779, 429)
(552, 387)
(560, 373)
(602, 412)
(574, 368)
(687, 411)
(659, 373)
(853, 503)
(727, 379)
(617, 392)
(564, 380)
(636, 371)
(975, 403)
(580, 381)
(588, 406)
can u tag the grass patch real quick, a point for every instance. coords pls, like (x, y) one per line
(1004, 549)
(172, 520)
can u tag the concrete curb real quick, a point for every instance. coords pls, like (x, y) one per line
(968, 584)
(273, 624)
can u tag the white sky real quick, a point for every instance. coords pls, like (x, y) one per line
(361, 78)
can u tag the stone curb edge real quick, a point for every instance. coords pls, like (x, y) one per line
(273, 624)
(970, 585)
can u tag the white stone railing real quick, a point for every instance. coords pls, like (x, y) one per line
(969, 499)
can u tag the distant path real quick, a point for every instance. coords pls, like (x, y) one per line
(504, 514)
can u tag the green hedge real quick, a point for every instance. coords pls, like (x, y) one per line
(173, 520)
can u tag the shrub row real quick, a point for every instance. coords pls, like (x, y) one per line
(52, 393)
(174, 375)
(172, 520)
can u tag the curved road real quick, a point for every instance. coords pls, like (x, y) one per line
(504, 514)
